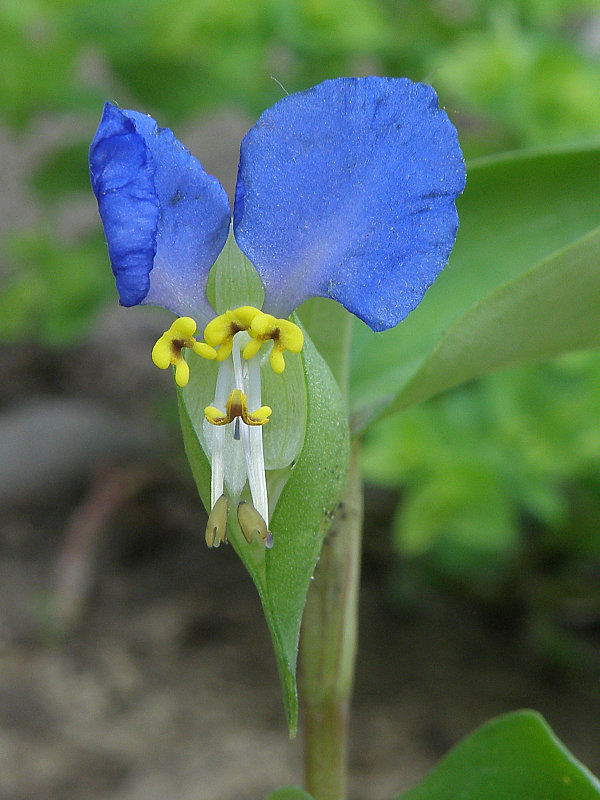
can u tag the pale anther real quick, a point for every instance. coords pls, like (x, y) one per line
(216, 527)
(253, 525)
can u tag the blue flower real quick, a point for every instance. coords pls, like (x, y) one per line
(345, 191)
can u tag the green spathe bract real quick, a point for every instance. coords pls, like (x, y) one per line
(313, 417)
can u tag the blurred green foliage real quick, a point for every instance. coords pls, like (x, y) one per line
(477, 462)
(51, 286)
(477, 465)
(499, 499)
(526, 70)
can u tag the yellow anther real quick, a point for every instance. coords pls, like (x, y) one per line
(182, 372)
(162, 352)
(220, 331)
(258, 417)
(204, 350)
(169, 348)
(216, 417)
(217, 330)
(261, 327)
(251, 349)
(264, 325)
(223, 328)
(237, 406)
(244, 315)
(285, 335)
(290, 336)
(276, 359)
(224, 350)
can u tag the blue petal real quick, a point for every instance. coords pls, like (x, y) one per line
(165, 219)
(347, 191)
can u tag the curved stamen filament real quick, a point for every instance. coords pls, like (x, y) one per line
(217, 478)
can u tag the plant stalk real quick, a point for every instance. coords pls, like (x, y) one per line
(328, 647)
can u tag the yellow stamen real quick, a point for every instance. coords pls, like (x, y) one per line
(261, 327)
(237, 406)
(204, 350)
(169, 349)
(182, 372)
(251, 349)
(285, 335)
(276, 359)
(220, 331)
(224, 350)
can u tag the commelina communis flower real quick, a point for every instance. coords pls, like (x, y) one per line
(345, 191)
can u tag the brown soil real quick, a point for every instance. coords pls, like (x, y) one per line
(167, 686)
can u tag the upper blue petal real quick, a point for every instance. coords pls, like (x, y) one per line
(165, 219)
(347, 191)
(122, 175)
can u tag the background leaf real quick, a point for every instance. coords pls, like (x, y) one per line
(552, 308)
(522, 266)
(514, 757)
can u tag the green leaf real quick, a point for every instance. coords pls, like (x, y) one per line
(514, 757)
(60, 285)
(302, 514)
(520, 285)
(289, 793)
(552, 308)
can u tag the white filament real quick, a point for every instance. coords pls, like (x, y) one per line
(222, 391)
(247, 379)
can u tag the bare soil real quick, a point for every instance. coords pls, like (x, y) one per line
(166, 686)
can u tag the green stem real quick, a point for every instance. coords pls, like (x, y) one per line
(328, 647)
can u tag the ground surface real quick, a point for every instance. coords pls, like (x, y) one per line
(167, 687)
